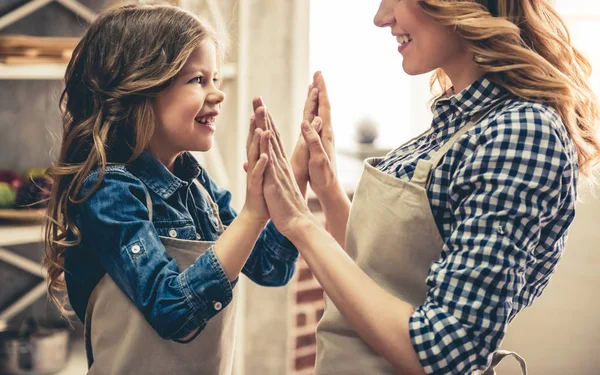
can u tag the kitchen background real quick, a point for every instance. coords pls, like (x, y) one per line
(274, 47)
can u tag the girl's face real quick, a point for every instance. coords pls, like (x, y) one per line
(424, 44)
(185, 111)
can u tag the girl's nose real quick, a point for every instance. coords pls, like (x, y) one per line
(216, 96)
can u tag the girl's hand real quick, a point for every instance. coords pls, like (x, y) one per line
(299, 160)
(287, 207)
(258, 149)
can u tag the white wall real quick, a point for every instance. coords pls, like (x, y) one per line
(560, 333)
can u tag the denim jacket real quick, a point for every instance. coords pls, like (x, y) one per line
(115, 218)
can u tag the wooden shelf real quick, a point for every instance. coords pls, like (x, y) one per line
(34, 71)
(14, 234)
(57, 71)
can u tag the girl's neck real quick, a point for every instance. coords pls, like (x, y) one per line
(165, 157)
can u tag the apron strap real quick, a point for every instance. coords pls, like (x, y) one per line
(497, 357)
(149, 204)
(424, 167)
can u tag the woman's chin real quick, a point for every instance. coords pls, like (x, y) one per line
(414, 69)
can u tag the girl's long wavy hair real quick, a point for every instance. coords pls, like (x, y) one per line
(525, 47)
(128, 54)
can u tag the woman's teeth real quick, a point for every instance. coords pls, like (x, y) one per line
(404, 39)
(206, 120)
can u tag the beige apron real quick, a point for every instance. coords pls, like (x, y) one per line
(119, 340)
(392, 236)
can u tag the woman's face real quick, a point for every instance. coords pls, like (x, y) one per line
(424, 44)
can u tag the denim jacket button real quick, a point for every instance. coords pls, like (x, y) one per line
(198, 236)
(217, 305)
(135, 249)
(173, 233)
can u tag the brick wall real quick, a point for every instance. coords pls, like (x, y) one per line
(306, 312)
(307, 309)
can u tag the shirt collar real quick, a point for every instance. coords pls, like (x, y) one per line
(476, 97)
(159, 179)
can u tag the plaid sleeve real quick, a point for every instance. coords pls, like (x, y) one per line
(502, 195)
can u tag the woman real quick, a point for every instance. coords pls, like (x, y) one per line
(455, 232)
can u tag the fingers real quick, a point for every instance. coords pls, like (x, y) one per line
(310, 106)
(318, 125)
(257, 102)
(278, 146)
(258, 172)
(272, 158)
(264, 120)
(264, 144)
(324, 106)
(251, 128)
(312, 139)
(254, 149)
(261, 118)
(324, 111)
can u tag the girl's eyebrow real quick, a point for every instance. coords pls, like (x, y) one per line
(196, 69)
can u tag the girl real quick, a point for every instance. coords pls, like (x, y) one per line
(454, 233)
(136, 227)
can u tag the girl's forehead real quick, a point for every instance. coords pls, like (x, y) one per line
(203, 58)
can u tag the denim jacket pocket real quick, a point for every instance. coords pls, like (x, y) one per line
(183, 230)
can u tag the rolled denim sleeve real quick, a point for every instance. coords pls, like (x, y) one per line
(115, 227)
(273, 258)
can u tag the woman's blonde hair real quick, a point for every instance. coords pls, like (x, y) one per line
(128, 54)
(524, 46)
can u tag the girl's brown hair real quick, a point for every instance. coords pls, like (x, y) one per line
(128, 54)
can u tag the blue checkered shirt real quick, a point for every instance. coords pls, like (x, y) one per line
(503, 198)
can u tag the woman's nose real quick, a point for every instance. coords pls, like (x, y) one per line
(385, 14)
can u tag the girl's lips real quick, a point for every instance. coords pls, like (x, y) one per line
(209, 124)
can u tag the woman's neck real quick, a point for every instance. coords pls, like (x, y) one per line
(462, 71)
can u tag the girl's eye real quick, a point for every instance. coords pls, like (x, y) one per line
(197, 80)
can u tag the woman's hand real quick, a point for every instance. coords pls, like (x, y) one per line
(287, 207)
(257, 151)
(299, 160)
(322, 167)
(320, 139)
